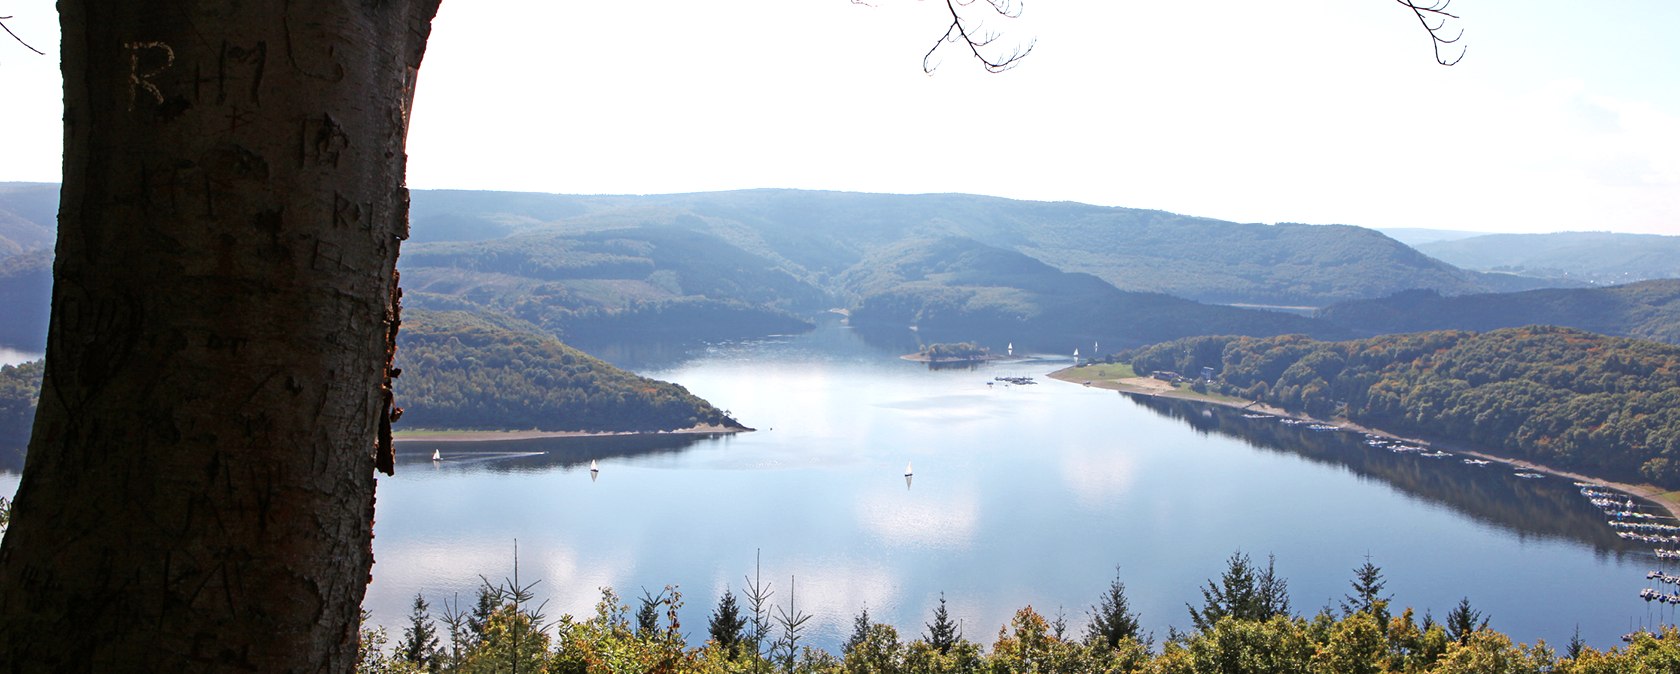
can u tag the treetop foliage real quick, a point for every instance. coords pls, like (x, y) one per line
(1248, 638)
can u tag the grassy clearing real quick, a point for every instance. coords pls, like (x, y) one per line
(1102, 371)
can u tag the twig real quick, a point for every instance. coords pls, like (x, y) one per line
(15, 36)
(1437, 9)
(959, 32)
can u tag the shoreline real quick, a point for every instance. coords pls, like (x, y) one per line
(1153, 387)
(445, 435)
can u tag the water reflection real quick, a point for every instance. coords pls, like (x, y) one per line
(535, 455)
(1548, 508)
(1029, 495)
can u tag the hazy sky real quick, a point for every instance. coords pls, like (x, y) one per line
(1563, 115)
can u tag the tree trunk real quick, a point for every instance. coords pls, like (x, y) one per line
(198, 493)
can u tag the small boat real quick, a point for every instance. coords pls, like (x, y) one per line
(593, 467)
(907, 471)
(437, 455)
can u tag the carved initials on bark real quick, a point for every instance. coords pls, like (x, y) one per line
(138, 80)
(323, 141)
(244, 64)
(347, 212)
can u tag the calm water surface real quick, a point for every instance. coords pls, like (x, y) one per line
(1021, 495)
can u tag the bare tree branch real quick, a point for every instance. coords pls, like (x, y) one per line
(973, 35)
(1434, 17)
(15, 36)
(965, 30)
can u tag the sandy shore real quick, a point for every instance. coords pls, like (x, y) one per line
(1663, 498)
(434, 435)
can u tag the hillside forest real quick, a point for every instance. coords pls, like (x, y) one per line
(465, 371)
(1567, 398)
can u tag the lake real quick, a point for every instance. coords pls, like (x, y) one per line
(1022, 494)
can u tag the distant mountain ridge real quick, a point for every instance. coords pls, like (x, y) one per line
(814, 235)
(1603, 258)
(723, 265)
(1416, 236)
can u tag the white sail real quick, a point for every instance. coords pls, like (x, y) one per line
(907, 471)
(437, 455)
(593, 468)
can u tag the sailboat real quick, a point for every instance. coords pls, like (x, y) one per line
(1011, 348)
(437, 455)
(907, 471)
(594, 467)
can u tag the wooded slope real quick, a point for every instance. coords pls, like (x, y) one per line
(463, 371)
(1565, 397)
(1646, 310)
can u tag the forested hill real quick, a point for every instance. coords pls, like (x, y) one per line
(28, 217)
(1564, 397)
(960, 289)
(724, 265)
(1647, 310)
(815, 235)
(465, 371)
(462, 371)
(633, 282)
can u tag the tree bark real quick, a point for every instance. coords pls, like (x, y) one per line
(198, 493)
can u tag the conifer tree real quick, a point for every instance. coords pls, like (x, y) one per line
(647, 617)
(1576, 645)
(942, 634)
(727, 626)
(489, 599)
(1464, 621)
(1112, 618)
(420, 643)
(785, 650)
(1242, 593)
(758, 595)
(860, 631)
(1273, 592)
(1367, 596)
